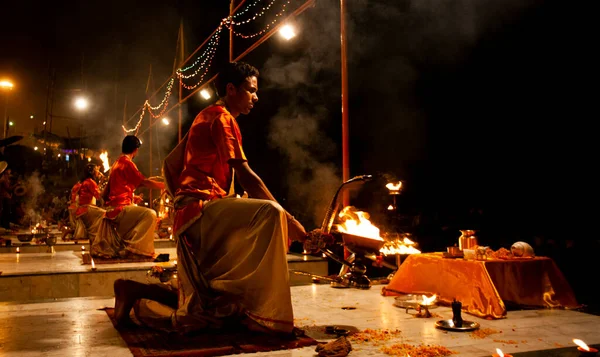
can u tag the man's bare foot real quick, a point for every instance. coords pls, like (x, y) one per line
(254, 326)
(126, 295)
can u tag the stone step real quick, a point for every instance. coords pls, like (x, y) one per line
(42, 276)
(29, 247)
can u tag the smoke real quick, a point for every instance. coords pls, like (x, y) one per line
(312, 181)
(34, 191)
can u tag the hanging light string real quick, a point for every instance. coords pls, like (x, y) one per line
(163, 104)
(246, 9)
(277, 17)
(256, 16)
(165, 100)
(137, 126)
(214, 42)
(206, 64)
(204, 61)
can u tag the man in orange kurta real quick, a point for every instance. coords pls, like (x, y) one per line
(231, 251)
(134, 225)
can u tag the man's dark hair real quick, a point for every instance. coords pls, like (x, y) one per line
(234, 73)
(89, 171)
(130, 143)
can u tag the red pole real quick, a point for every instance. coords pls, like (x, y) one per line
(345, 131)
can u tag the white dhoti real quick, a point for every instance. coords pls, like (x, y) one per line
(131, 230)
(231, 264)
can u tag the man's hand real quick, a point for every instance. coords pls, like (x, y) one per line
(296, 231)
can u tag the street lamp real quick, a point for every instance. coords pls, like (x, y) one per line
(205, 94)
(7, 86)
(81, 103)
(287, 32)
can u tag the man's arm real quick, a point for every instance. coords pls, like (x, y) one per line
(256, 188)
(156, 185)
(250, 181)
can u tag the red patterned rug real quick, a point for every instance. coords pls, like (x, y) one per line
(98, 260)
(144, 342)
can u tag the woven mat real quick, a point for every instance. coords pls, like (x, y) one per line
(144, 342)
(98, 260)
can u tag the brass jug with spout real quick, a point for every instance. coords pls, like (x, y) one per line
(467, 240)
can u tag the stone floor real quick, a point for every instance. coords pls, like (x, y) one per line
(75, 327)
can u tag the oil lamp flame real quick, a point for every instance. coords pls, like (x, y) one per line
(390, 208)
(404, 246)
(499, 352)
(428, 300)
(581, 344)
(394, 186)
(357, 223)
(93, 265)
(104, 158)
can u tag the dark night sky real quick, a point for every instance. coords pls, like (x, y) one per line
(474, 103)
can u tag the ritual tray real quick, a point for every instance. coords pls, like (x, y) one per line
(453, 256)
(411, 301)
(448, 325)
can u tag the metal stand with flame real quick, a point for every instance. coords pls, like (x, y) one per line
(358, 236)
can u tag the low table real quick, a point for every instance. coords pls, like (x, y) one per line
(483, 285)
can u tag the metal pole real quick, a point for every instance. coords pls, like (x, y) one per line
(345, 141)
(151, 167)
(5, 111)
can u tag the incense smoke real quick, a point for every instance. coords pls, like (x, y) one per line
(34, 190)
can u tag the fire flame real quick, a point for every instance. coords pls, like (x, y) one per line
(104, 158)
(390, 208)
(499, 352)
(394, 186)
(357, 223)
(93, 265)
(581, 344)
(428, 300)
(404, 246)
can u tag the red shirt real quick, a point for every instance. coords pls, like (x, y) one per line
(213, 141)
(124, 179)
(87, 192)
(74, 193)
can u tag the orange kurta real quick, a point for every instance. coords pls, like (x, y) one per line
(124, 179)
(213, 140)
(87, 192)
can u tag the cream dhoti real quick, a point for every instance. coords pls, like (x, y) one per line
(231, 264)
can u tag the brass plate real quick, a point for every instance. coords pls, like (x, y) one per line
(448, 325)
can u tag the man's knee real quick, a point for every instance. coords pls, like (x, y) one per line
(273, 209)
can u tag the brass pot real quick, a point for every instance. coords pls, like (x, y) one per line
(467, 240)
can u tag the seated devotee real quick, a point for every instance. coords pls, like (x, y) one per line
(89, 213)
(134, 225)
(76, 223)
(231, 252)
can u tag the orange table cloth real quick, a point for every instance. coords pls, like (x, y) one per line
(482, 286)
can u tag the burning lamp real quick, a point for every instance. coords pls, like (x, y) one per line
(499, 353)
(426, 303)
(585, 350)
(165, 121)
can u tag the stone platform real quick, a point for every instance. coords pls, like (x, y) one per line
(61, 246)
(42, 275)
(75, 327)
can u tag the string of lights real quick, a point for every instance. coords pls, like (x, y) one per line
(203, 63)
(256, 16)
(273, 22)
(214, 41)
